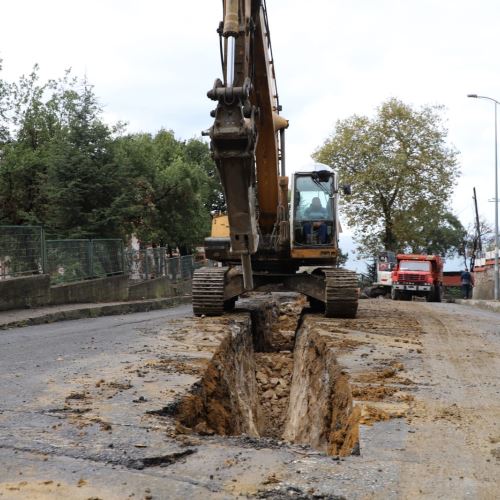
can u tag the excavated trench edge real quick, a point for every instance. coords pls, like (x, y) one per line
(299, 394)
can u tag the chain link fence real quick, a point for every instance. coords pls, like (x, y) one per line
(25, 251)
(153, 263)
(75, 260)
(22, 251)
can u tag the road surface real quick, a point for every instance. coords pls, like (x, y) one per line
(83, 411)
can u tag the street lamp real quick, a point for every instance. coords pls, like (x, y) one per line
(475, 96)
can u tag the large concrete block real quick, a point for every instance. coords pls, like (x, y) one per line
(484, 285)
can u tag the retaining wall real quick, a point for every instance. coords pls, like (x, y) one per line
(25, 292)
(110, 289)
(151, 289)
(35, 291)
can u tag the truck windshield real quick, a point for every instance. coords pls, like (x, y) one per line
(414, 265)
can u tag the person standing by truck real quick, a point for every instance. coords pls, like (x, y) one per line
(466, 284)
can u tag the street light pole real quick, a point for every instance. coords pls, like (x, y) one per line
(475, 96)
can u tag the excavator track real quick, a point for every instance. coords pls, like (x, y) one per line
(208, 291)
(341, 293)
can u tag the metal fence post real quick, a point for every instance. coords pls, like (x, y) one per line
(43, 247)
(146, 267)
(162, 262)
(122, 250)
(91, 258)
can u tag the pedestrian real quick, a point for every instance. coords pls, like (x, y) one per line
(466, 284)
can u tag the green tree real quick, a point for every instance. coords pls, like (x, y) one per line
(402, 175)
(62, 166)
(82, 179)
(166, 190)
(133, 206)
(29, 126)
(181, 195)
(197, 152)
(4, 109)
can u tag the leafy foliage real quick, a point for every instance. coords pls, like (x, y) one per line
(402, 174)
(63, 167)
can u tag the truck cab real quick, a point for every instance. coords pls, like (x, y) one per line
(417, 275)
(385, 263)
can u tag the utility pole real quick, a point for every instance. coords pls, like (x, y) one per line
(477, 240)
(478, 227)
(497, 276)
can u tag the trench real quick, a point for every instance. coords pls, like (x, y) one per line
(274, 376)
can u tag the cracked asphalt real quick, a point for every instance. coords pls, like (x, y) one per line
(81, 411)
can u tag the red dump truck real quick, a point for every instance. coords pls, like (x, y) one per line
(417, 275)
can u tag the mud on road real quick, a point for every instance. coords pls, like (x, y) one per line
(267, 402)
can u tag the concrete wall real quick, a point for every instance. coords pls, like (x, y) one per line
(110, 289)
(25, 292)
(150, 289)
(484, 285)
(158, 288)
(35, 291)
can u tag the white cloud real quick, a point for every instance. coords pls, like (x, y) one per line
(152, 62)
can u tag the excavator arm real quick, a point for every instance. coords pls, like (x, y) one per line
(247, 143)
(245, 136)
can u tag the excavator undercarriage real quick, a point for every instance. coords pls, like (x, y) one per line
(331, 290)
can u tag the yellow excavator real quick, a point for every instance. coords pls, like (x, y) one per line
(266, 238)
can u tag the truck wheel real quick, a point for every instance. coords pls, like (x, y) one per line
(439, 293)
(395, 294)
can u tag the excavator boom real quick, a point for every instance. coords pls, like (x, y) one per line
(244, 138)
(267, 239)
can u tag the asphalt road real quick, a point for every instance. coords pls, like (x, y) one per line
(79, 417)
(30, 355)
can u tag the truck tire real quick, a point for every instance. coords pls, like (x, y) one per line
(395, 294)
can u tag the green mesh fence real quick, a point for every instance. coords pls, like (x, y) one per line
(153, 263)
(21, 251)
(24, 251)
(74, 260)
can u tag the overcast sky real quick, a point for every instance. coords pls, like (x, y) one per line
(151, 63)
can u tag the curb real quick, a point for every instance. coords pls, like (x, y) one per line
(487, 305)
(97, 311)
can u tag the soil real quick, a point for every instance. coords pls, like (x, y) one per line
(412, 409)
(274, 376)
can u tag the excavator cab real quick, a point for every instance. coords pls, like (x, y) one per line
(314, 200)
